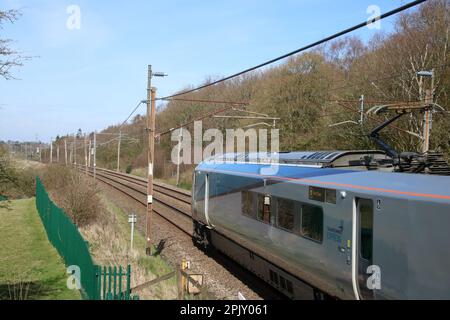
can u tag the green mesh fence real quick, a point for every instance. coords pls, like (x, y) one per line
(64, 235)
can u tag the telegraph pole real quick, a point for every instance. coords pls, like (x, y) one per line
(178, 156)
(57, 152)
(151, 144)
(71, 155)
(118, 151)
(361, 110)
(74, 148)
(95, 153)
(85, 154)
(151, 119)
(90, 152)
(51, 150)
(65, 150)
(428, 114)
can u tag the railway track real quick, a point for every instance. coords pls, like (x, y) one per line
(173, 205)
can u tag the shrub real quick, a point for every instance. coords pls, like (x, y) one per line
(75, 193)
(15, 182)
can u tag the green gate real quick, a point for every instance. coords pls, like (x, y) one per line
(96, 284)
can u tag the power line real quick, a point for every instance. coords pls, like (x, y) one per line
(197, 119)
(205, 101)
(214, 112)
(132, 112)
(309, 46)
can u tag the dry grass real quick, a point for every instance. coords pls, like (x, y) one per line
(109, 240)
(106, 228)
(75, 193)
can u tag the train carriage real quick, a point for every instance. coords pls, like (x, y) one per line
(325, 224)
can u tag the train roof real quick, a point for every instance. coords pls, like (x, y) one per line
(405, 185)
(336, 158)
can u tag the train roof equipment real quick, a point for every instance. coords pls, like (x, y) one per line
(319, 159)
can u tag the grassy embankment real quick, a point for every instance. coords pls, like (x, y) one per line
(30, 267)
(109, 241)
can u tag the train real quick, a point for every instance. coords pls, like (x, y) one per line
(327, 224)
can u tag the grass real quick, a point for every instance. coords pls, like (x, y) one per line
(154, 264)
(109, 240)
(30, 267)
(140, 172)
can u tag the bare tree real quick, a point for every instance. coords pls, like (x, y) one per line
(9, 57)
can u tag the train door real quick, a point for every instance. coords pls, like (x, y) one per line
(363, 250)
(207, 194)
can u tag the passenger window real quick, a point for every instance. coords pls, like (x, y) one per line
(264, 208)
(312, 222)
(366, 230)
(273, 277)
(285, 214)
(247, 204)
(330, 196)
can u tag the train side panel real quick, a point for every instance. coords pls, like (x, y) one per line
(322, 264)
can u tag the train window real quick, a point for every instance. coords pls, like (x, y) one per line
(312, 222)
(317, 194)
(290, 287)
(285, 214)
(199, 191)
(366, 230)
(330, 196)
(247, 204)
(273, 277)
(283, 283)
(264, 208)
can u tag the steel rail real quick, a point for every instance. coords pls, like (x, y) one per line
(111, 183)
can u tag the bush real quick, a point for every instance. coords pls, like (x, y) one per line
(129, 169)
(75, 193)
(15, 183)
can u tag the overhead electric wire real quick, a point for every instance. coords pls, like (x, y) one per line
(197, 119)
(326, 91)
(309, 46)
(372, 118)
(132, 112)
(205, 101)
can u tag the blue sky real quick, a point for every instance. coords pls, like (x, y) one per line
(92, 77)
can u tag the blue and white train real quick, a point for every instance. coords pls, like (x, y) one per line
(328, 224)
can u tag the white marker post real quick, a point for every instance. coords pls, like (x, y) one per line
(132, 219)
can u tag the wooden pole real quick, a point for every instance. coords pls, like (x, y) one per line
(95, 153)
(51, 150)
(65, 150)
(151, 116)
(118, 151)
(90, 151)
(74, 147)
(178, 156)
